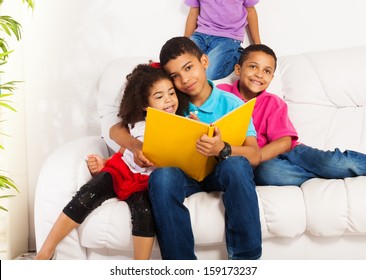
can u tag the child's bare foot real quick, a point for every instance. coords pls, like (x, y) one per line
(95, 164)
(45, 256)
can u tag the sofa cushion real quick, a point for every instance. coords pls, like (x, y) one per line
(282, 214)
(109, 225)
(325, 92)
(334, 207)
(282, 211)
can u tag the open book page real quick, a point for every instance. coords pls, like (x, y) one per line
(170, 140)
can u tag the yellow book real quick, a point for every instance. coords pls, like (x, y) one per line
(170, 140)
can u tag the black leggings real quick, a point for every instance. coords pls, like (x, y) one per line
(99, 189)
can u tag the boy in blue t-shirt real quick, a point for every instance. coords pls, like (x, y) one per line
(233, 175)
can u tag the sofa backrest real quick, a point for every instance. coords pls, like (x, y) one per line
(110, 90)
(326, 94)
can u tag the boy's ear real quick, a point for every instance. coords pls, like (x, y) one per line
(205, 61)
(237, 70)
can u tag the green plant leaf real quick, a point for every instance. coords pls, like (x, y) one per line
(7, 196)
(30, 3)
(3, 104)
(5, 52)
(2, 95)
(2, 133)
(3, 209)
(7, 183)
(11, 26)
(3, 45)
(9, 86)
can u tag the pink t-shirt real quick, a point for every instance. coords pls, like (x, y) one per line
(270, 116)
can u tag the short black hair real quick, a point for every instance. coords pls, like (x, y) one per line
(177, 46)
(256, 48)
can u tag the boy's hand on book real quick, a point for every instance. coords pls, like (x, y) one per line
(210, 146)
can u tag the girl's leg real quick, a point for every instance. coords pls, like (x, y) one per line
(62, 227)
(142, 247)
(143, 228)
(89, 197)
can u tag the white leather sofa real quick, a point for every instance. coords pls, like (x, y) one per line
(322, 219)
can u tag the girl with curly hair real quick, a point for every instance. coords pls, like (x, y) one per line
(119, 176)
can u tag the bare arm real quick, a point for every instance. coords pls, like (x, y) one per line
(211, 146)
(275, 148)
(122, 137)
(249, 150)
(191, 23)
(253, 26)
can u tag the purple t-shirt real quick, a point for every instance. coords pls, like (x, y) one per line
(270, 116)
(225, 18)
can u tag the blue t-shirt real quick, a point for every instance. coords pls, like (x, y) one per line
(218, 104)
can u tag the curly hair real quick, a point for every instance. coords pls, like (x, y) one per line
(135, 98)
(177, 46)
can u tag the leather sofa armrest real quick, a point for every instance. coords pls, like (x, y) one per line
(62, 174)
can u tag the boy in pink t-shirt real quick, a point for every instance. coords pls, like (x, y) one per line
(284, 161)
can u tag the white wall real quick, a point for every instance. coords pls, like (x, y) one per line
(68, 43)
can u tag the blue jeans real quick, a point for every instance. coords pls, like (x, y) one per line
(223, 53)
(169, 186)
(303, 163)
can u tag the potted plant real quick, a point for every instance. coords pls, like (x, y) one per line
(8, 27)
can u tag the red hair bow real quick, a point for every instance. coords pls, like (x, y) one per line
(155, 65)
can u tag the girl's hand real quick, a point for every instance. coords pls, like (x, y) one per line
(193, 116)
(95, 164)
(139, 157)
(210, 146)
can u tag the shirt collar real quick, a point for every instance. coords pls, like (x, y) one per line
(236, 91)
(210, 104)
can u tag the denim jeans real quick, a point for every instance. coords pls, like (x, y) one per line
(223, 53)
(169, 186)
(303, 163)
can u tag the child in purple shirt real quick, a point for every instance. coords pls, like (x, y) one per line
(284, 160)
(218, 27)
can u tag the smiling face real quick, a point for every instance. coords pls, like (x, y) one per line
(255, 74)
(162, 96)
(188, 75)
